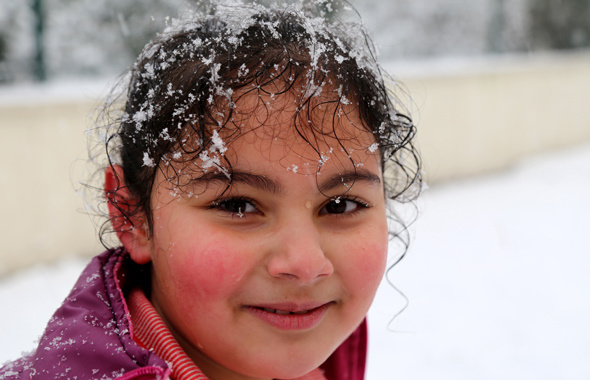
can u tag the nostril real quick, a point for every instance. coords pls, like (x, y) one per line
(303, 271)
(285, 275)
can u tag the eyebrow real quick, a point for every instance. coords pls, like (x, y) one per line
(264, 183)
(250, 179)
(352, 176)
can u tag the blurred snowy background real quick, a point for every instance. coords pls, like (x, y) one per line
(497, 271)
(65, 38)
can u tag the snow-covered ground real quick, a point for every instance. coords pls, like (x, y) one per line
(497, 278)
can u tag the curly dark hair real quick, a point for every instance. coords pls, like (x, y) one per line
(182, 91)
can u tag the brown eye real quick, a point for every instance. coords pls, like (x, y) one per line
(237, 206)
(342, 206)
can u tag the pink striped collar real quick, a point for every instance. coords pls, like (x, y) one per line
(150, 332)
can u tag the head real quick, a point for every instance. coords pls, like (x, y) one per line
(250, 168)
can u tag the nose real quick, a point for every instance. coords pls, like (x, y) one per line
(297, 253)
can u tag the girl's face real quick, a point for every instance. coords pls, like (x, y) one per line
(267, 279)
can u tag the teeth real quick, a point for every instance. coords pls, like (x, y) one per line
(284, 312)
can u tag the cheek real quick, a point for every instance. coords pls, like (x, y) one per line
(365, 263)
(370, 266)
(207, 269)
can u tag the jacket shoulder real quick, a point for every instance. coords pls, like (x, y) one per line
(89, 335)
(18, 369)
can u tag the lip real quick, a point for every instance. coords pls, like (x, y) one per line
(290, 316)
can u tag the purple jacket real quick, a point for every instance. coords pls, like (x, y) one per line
(89, 336)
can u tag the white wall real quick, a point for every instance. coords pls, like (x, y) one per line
(475, 117)
(472, 117)
(42, 153)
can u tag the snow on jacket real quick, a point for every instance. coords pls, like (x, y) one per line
(89, 336)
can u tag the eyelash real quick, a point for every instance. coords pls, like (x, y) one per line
(361, 206)
(218, 205)
(221, 206)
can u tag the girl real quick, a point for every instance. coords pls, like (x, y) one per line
(247, 178)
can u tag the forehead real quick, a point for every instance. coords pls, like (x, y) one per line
(313, 126)
(274, 135)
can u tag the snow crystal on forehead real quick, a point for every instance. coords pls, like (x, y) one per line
(323, 39)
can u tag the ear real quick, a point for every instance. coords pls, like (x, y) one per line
(130, 229)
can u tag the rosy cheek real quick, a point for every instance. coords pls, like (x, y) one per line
(209, 270)
(372, 265)
(366, 264)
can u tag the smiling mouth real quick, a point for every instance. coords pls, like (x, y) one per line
(286, 312)
(290, 318)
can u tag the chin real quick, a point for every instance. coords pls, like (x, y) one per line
(292, 365)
